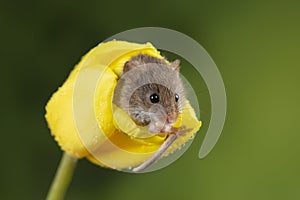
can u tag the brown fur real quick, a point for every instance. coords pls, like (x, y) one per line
(142, 76)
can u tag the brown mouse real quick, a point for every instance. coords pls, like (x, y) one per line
(151, 92)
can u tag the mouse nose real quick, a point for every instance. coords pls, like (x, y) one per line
(171, 118)
(168, 120)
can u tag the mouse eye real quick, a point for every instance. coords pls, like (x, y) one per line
(154, 98)
(176, 97)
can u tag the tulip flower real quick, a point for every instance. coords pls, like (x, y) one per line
(108, 137)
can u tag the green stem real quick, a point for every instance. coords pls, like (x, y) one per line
(62, 178)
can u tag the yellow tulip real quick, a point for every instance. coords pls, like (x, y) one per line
(118, 144)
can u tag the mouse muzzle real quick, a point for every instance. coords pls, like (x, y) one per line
(161, 121)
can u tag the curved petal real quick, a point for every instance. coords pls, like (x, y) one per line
(117, 149)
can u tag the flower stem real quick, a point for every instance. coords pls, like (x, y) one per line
(62, 178)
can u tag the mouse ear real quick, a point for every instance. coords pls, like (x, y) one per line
(175, 65)
(130, 65)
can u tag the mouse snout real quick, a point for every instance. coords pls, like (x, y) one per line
(171, 118)
(160, 115)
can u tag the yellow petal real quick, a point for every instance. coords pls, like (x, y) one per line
(110, 147)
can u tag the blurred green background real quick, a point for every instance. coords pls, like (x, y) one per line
(256, 46)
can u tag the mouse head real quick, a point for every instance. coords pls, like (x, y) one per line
(153, 91)
(154, 105)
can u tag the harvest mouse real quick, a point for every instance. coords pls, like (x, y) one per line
(151, 92)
